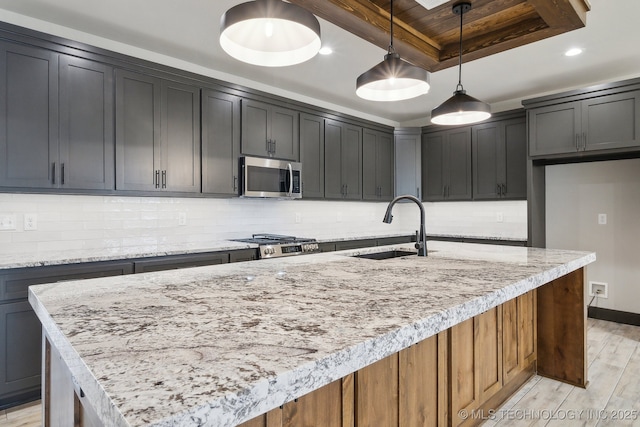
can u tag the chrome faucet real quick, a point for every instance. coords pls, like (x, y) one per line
(421, 235)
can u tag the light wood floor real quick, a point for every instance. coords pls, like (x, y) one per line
(613, 390)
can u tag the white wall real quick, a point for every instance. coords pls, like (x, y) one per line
(575, 195)
(66, 222)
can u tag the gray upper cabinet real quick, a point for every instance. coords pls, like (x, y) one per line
(407, 162)
(499, 160)
(377, 165)
(28, 116)
(312, 155)
(269, 130)
(220, 142)
(157, 134)
(86, 125)
(57, 121)
(446, 165)
(600, 123)
(342, 161)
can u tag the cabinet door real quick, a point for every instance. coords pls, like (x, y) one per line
(28, 117)
(255, 128)
(20, 340)
(86, 125)
(408, 165)
(518, 334)
(385, 165)
(486, 143)
(611, 121)
(180, 261)
(457, 162)
(138, 156)
(376, 392)
(284, 133)
(377, 165)
(312, 155)
(333, 187)
(352, 162)
(514, 159)
(554, 129)
(322, 407)
(433, 184)
(422, 382)
(369, 165)
(488, 352)
(464, 379)
(220, 142)
(180, 137)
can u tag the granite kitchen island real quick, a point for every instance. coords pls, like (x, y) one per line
(225, 344)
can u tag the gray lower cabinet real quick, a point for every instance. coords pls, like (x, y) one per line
(20, 331)
(407, 162)
(500, 160)
(377, 165)
(220, 142)
(269, 130)
(56, 121)
(342, 160)
(599, 123)
(312, 155)
(446, 165)
(157, 134)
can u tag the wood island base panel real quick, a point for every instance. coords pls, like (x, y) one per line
(326, 339)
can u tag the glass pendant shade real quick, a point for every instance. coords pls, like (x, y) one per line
(460, 109)
(392, 80)
(270, 33)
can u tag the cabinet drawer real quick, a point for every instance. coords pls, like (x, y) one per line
(180, 261)
(14, 284)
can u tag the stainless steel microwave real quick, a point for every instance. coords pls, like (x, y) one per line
(261, 177)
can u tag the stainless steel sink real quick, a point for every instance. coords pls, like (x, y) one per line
(386, 255)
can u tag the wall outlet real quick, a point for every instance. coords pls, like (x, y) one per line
(7, 222)
(30, 222)
(599, 289)
(182, 218)
(499, 217)
(602, 219)
(298, 217)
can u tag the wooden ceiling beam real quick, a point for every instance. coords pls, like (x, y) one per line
(430, 41)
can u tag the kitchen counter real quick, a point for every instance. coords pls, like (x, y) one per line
(220, 345)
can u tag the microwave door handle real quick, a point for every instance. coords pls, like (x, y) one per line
(290, 180)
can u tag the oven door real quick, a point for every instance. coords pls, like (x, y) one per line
(270, 178)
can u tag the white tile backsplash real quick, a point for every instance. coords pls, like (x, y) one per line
(93, 222)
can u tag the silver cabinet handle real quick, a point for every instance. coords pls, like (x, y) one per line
(499, 189)
(273, 145)
(584, 141)
(235, 183)
(577, 142)
(157, 179)
(164, 179)
(61, 173)
(53, 173)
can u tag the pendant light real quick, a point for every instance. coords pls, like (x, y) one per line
(270, 33)
(393, 79)
(460, 109)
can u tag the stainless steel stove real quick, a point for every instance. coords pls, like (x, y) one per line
(275, 245)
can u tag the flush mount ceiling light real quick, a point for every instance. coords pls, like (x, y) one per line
(430, 4)
(270, 33)
(460, 109)
(393, 79)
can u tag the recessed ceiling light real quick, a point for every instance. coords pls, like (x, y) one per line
(573, 52)
(430, 4)
(325, 50)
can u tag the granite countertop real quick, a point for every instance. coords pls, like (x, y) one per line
(219, 345)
